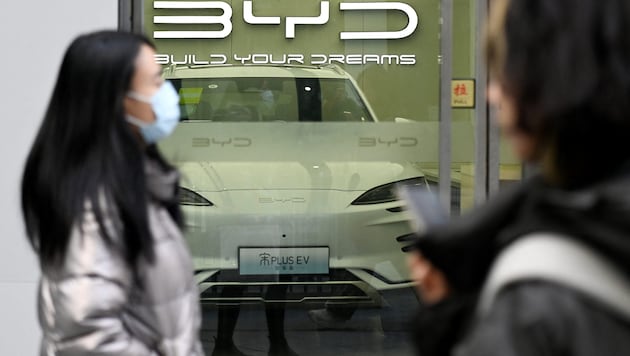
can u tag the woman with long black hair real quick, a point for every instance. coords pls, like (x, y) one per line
(101, 208)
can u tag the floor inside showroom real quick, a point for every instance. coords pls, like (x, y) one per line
(369, 332)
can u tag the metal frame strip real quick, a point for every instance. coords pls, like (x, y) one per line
(446, 75)
(138, 16)
(482, 124)
(494, 153)
(131, 16)
(124, 15)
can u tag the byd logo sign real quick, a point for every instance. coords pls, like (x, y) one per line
(290, 22)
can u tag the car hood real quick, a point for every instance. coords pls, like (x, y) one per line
(344, 176)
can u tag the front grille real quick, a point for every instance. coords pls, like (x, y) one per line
(232, 275)
(339, 285)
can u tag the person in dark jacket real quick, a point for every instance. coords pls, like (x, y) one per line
(560, 75)
(102, 212)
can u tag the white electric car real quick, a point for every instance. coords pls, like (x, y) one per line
(272, 198)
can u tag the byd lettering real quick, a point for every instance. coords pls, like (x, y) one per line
(265, 200)
(290, 22)
(382, 141)
(222, 142)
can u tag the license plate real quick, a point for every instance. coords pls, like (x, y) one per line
(283, 260)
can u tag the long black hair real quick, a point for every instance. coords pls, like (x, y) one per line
(566, 63)
(86, 152)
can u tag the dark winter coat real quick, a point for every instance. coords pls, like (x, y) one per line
(528, 318)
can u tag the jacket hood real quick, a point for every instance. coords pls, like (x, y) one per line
(598, 215)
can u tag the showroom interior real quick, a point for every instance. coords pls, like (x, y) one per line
(300, 119)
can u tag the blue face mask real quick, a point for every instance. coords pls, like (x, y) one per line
(165, 105)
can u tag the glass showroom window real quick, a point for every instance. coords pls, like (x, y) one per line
(299, 120)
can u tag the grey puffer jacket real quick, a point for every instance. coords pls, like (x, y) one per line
(91, 305)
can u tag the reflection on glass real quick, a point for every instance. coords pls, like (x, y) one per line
(288, 190)
(288, 168)
(299, 216)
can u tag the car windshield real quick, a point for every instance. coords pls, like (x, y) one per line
(271, 99)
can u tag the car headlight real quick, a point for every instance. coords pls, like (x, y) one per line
(386, 193)
(188, 197)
